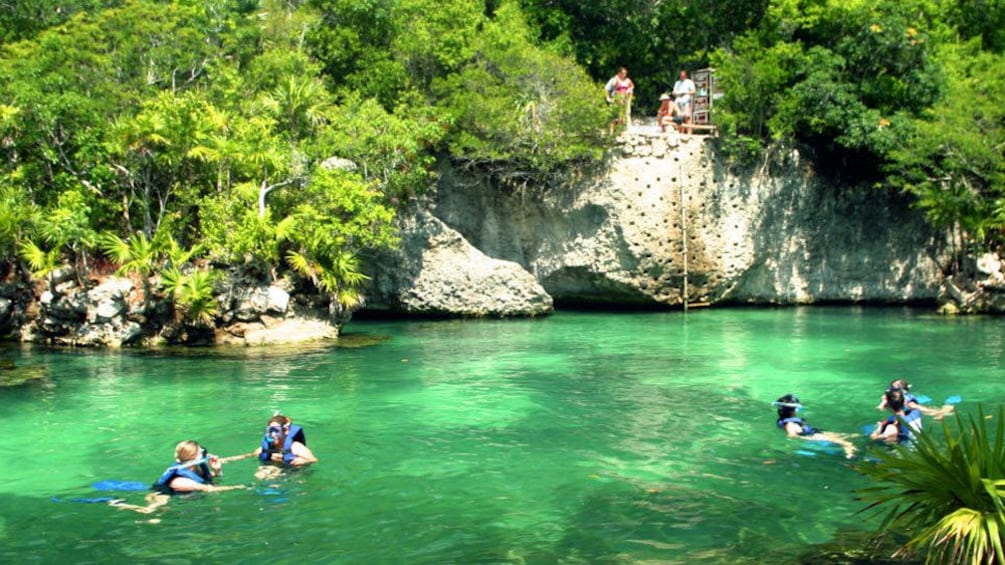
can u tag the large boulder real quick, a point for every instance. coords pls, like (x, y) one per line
(107, 301)
(256, 312)
(276, 331)
(437, 272)
(979, 289)
(249, 304)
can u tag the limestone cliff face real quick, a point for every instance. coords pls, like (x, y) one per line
(666, 207)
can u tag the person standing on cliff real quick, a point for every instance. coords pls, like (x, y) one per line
(619, 90)
(683, 92)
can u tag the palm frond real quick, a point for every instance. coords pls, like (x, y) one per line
(40, 262)
(303, 265)
(947, 489)
(171, 280)
(114, 247)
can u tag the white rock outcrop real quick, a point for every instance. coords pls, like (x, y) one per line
(665, 209)
(437, 272)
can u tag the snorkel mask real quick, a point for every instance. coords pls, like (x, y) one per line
(272, 433)
(900, 384)
(787, 404)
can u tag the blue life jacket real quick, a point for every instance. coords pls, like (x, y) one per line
(905, 430)
(295, 433)
(204, 477)
(807, 430)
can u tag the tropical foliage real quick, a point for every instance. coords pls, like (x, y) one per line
(136, 127)
(206, 123)
(946, 491)
(901, 93)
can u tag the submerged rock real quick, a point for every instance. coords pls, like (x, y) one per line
(12, 375)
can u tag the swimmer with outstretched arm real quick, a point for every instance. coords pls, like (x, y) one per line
(796, 427)
(911, 401)
(283, 446)
(194, 470)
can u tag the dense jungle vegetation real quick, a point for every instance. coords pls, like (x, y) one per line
(158, 135)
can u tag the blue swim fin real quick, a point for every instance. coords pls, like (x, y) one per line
(120, 486)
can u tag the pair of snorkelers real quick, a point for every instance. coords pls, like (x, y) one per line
(905, 419)
(284, 445)
(907, 412)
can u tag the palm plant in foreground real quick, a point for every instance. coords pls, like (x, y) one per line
(946, 492)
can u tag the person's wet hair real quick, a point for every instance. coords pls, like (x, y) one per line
(895, 399)
(187, 450)
(899, 384)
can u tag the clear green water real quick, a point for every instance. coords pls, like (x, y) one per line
(578, 438)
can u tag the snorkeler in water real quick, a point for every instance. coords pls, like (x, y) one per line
(283, 446)
(902, 425)
(911, 401)
(796, 427)
(194, 470)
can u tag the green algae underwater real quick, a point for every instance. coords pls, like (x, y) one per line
(575, 438)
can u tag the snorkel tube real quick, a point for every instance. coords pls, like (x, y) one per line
(787, 405)
(202, 462)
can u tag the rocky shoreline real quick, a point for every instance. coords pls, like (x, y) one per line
(112, 311)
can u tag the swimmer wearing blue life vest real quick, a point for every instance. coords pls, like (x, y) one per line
(902, 425)
(911, 401)
(194, 470)
(796, 427)
(283, 445)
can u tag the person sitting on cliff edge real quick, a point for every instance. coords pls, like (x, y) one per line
(668, 114)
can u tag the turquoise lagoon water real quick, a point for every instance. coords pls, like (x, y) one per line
(576, 438)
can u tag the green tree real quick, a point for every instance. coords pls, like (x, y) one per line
(653, 38)
(953, 156)
(521, 113)
(70, 84)
(152, 155)
(23, 19)
(18, 218)
(327, 225)
(394, 150)
(832, 75)
(353, 42)
(67, 228)
(979, 19)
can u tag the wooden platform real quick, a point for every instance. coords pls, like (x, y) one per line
(707, 128)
